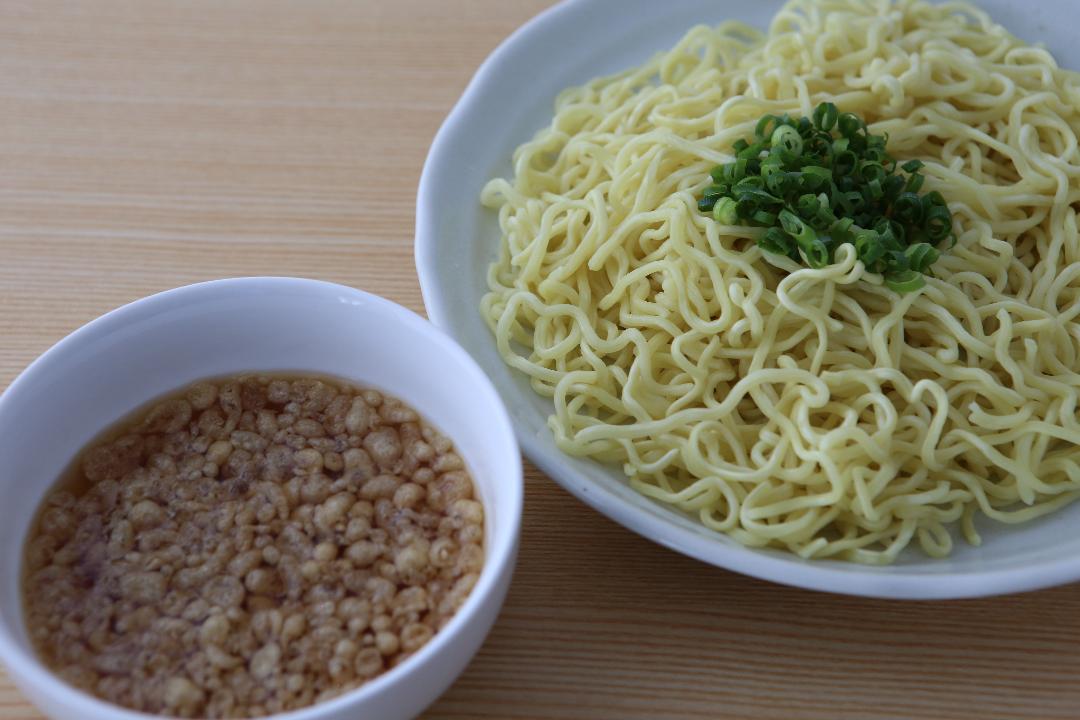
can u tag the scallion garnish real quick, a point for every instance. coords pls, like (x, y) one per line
(816, 183)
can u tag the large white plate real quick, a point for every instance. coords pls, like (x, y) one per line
(509, 100)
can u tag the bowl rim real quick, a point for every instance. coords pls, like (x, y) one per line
(774, 566)
(500, 557)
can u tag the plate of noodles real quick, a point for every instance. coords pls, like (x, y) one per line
(793, 289)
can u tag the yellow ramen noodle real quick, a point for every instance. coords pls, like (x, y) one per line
(813, 410)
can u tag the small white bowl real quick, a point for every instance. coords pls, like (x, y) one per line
(115, 364)
(511, 98)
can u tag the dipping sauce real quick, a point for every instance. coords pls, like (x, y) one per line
(251, 545)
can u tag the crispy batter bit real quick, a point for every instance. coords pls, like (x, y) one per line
(250, 546)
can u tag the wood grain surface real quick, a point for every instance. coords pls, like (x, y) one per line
(146, 144)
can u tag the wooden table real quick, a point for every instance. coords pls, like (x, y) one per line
(146, 144)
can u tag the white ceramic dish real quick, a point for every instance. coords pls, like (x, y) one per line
(509, 99)
(101, 372)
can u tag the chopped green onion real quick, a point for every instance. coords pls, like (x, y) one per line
(808, 204)
(934, 198)
(758, 195)
(907, 209)
(849, 124)
(750, 182)
(815, 183)
(904, 281)
(751, 151)
(893, 185)
(793, 225)
(780, 182)
(871, 170)
(825, 116)
(770, 167)
(724, 213)
(893, 261)
(761, 130)
(764, 218)
(788, 138)
(777, 242)
(844, 163)
(849, 201)
(915, 183)
(841, 230)
(875, 190)
(868, 247)
(921, 256)
(816, 253)
(938, 223)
